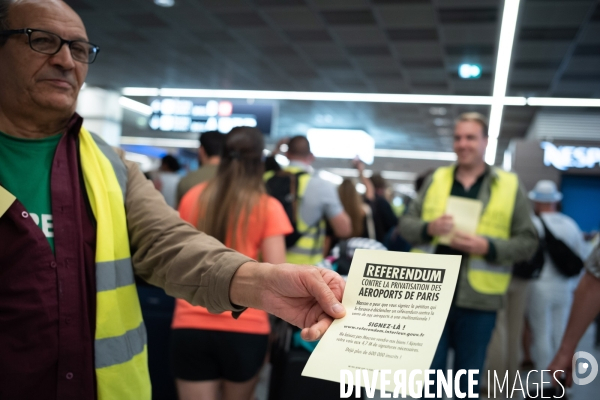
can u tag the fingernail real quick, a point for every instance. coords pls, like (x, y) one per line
(318, 335)
(338, 308)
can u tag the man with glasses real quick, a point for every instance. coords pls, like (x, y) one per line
(76, 222)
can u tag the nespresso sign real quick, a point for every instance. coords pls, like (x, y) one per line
(565, 157)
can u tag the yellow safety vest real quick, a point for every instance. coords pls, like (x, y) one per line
(309, 248)
(495, 222)
(120, 347)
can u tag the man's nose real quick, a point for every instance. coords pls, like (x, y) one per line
(63, 58)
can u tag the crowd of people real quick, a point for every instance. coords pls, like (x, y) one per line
(78, 221)
(508, 284)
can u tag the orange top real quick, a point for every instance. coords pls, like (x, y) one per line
(267, 218)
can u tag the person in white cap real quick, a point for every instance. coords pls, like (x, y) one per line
(551, 295)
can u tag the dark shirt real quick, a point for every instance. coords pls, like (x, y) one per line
(384, 217)
(194, 178)
(47, 301)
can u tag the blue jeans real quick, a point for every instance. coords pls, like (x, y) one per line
(468, 332)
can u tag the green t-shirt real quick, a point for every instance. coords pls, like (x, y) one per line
(25, 167)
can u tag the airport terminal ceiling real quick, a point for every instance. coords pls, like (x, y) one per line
(358, 46)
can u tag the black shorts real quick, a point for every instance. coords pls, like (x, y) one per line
(202, 355)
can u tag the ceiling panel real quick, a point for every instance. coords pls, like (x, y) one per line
(407, 15)
(349, 17)
(554, 14)
(294, 18)
(241, 19)
(479, 34)
(412, 35)
(360, 35)
(314, 35)
(388, 46)
(419, 50)
(468, 15)
(261, 36)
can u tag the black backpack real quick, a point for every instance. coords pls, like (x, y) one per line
(284, 187)
(532, 268)
(567, 262)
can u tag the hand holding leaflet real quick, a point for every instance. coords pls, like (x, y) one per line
(397, 305)
(465, 214)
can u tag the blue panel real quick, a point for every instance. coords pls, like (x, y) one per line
(150, 151)
(581, 200)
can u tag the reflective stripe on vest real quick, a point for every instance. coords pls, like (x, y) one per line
(120, 340)
(309, 248)
(495, 222)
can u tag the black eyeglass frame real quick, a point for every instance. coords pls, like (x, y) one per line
(29, 31)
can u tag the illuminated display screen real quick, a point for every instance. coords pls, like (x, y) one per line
(177, 115)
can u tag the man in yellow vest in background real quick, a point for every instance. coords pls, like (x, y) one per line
(318, 200)
(505, 235)
(77, 221)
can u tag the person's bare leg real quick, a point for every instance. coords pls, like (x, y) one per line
(197, 390)
(240, 390)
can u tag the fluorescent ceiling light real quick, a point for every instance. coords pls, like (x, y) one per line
(399, 175)
(164, 3)
(507, 164)
(160, 142)
(395, 175)
(282, 160)
(146, 163)
(333, 178)
(416, 155)
(137, 91)
(364, 97)
(407, 189)
(505, 47)
(562, 102)
(135, 106)
(320, 96)
(490, 152)
(342, 143)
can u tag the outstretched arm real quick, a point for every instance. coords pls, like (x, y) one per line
(307, 297)
(586, 306)
(369, 187)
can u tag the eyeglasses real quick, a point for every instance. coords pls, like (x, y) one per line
(50, 43)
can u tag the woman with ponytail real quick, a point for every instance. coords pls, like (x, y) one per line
(215, 356)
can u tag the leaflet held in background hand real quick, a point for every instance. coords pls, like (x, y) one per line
(396, 308)
(465, 215)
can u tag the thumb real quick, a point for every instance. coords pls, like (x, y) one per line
(317, 287)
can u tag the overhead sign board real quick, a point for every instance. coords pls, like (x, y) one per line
(565, 157)
(185, 115)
